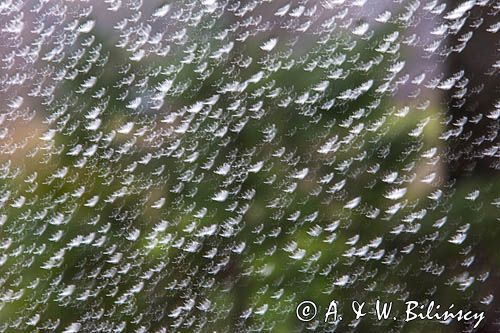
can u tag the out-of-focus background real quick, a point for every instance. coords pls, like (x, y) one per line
(203, 166)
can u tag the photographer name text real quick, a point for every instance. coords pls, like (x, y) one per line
(413, 310)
